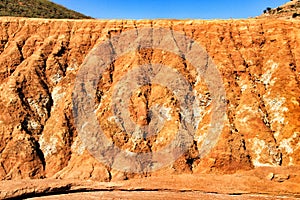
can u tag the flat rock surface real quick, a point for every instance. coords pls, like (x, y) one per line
(163, 195)
(255, 184)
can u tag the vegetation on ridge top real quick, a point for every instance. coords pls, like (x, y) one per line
(37, 9)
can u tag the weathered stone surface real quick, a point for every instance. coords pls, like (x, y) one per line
(258, 61)
(252, 184)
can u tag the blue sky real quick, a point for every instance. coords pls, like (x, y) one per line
(175, 9)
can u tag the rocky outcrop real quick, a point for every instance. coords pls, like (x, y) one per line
(258, 61)
(288, 10)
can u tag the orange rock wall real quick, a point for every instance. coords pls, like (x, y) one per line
(259, 62)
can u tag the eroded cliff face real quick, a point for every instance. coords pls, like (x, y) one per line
(258, 61)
